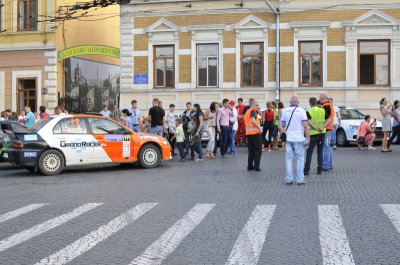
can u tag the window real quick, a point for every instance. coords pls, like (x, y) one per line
(164, 66)
(252, 57)
(103, 126)
(27, 15)
(373, 63)
(207, 65)
(26, 93)
(71, 126)
(310, 63)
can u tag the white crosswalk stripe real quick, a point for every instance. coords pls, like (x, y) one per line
(393, 212)
(169, 241)
(87, 242)
(248, 247)
(26, 209)
(44, 227)
(334, 244)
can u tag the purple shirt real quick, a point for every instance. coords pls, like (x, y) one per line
(223, 117)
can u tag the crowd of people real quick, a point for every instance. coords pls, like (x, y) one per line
(240, 125)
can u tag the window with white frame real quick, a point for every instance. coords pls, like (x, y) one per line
(374, 62)
(27, 15)
(252, 58)
(164, 66)
(310, 63)
(207, 65)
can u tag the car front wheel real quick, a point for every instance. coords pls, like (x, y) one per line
(149, 156)
(341, 139)
(51, 162)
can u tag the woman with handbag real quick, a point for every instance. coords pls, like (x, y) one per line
(386, 112)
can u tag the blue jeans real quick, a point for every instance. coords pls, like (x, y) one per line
(225, 139)
(136, 128)
(197, 146)
(157, 130)
(294, 149)
(328, 153)
(232, 148)
(334, 134)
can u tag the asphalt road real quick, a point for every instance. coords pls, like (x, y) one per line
(209, 212)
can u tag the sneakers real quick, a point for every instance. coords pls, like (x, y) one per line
(289, 182)
(306, 173)
(371, 148)
(198, 159)
(334, 147)
(301, 183)
(182, 160)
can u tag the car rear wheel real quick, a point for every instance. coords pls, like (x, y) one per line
(51, 163)
(341, 139)
(149, 156)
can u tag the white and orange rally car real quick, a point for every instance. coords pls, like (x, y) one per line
(70, 140)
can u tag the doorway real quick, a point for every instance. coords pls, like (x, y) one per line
(26, 94)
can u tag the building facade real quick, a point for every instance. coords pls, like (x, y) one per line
(30, 73)
(203, 51)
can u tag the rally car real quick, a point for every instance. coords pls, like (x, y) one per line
(71, 140)
(351, 120)
(8, 128)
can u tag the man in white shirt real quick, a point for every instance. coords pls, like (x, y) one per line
(233, 121)
(105, 112)
(337, 123)
(295, 124)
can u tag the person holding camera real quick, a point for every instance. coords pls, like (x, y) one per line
(366, 135)
(187, 123)
(386, 112)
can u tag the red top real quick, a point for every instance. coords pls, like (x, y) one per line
(44, 115)
(240, 109)
(269, 115)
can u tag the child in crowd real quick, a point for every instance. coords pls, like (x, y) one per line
(124, 118)
(179, 135)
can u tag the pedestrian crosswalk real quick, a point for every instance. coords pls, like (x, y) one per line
(250, 243)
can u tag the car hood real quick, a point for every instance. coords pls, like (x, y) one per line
(358, 122)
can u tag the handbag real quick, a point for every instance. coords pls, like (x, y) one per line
(283, 135)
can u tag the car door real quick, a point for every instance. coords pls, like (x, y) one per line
(115, 141)
(74, 140)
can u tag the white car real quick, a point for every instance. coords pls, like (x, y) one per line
(351, 120)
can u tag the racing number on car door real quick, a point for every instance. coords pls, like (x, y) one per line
(74, 140)
(115, 141)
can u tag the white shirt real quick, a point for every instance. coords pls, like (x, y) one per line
(295, 131)
(234, 120)
(337, 115)
(105, 113)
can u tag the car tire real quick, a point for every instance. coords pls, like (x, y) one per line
(149, 156)
(51, 162)
(341, 138)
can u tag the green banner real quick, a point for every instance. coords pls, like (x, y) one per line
(88, 50)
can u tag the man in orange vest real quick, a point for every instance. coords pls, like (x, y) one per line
(330, 116)
(253, 134)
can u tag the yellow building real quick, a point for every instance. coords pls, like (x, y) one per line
(30, 73)
(203, 51)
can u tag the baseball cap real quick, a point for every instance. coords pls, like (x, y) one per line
(232, 102)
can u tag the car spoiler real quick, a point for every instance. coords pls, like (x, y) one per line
(8, 126)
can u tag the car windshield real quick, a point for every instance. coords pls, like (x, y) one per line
(351, 114)
(35, 127)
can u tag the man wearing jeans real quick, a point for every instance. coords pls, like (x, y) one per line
(157, 119)
(337, 123)
(223, 116)
(328, 151)
(295, 124)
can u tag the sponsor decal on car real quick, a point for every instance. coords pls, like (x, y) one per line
(30, 154)
(30, 137)
(127, 138)
(114, 138)
(5, 155)
(148, 137)
(78, 145)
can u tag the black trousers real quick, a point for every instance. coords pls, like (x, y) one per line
(181, 151)
(315, 140)
(172, 142)
(254, 147)
(395, 132)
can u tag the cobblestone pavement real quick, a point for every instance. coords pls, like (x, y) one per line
(209, 212)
